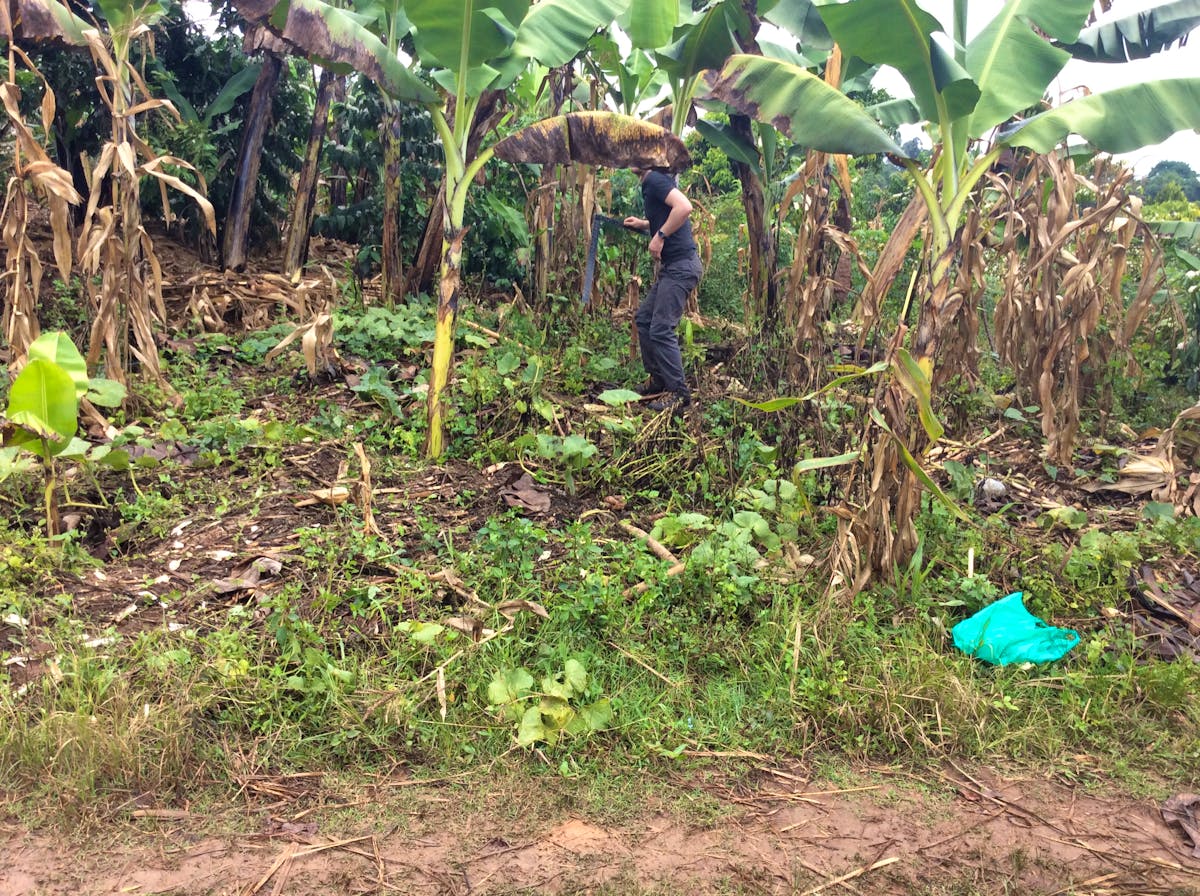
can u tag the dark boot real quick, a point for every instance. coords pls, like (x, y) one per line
(650, 387)
(675, 402)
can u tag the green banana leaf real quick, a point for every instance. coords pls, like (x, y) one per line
(1116, 121)
(323, 31)
(1012, 62)
(462, 34)
(706, 43)
(650, 23)
(42, 401)
(799, 104)
(555, 31)
(1136, 36)
(800, 19)
(729, 143)
(56, 346)
(1180, 230)
(899, 33)
(31, 21)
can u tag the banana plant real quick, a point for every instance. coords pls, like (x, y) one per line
(964, 92)
(468, 52)
(42, 415)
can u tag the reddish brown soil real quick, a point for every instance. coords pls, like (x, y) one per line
(773, 831)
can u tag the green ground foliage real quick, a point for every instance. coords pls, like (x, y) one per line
(235, 627)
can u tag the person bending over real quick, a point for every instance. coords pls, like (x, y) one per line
(668, 214)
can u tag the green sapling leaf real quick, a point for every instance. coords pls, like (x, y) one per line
(531, 729)
(43, 401)
(575, 675)
(105, 393)
(508, 685)
(617, 397)
(57, 348)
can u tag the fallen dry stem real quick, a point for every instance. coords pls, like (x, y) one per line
(882, 863)
(656, 547)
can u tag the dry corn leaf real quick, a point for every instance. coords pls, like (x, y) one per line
(1139, 476)
(332, 496)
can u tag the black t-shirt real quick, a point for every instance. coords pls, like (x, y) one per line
(680, 244)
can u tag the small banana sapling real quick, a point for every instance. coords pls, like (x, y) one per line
(42, 415)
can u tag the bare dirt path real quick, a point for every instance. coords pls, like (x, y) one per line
(770, 832)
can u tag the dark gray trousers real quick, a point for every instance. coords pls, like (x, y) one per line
(657, 318)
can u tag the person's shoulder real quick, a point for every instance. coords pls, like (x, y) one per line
(661, 180)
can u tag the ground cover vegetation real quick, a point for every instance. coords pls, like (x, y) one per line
(924, 380)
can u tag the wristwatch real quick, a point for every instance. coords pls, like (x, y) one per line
(662, 236)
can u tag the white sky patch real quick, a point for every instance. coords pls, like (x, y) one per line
(1076, 76)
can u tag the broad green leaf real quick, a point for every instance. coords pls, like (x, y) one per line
(917, 384)
(508, 685)
(38, 20)
(508, 362)
(1119, 120)
(531, 730)
(42, 400)
(76, 448)
(238, 84)
(616, 397)
(772, 405)
(556, 31)
(724, 139)
(57, 347)
(323, 31)
(1135, 36)
(899, 33)
(650, 23)
(105, 393)
(575, 675)
(459, 34)
(115, 459)
(13, 460)
(1158, 510)
(1013, 63)
(821, 463)
(555, 689)
(422, 632)
(707, 43)
(598, 715)
(594, 717)
(1066, 517)
(556, 711)
(800, 19)
(799, 104)
(893, 113)
(1182, 230)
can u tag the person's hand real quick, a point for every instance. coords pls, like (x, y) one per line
(635, 223)
(656, 246)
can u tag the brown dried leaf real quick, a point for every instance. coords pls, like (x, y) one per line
(524, 495)
(510, 608)
(596, 138)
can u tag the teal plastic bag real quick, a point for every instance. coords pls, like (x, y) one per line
(1005, 632)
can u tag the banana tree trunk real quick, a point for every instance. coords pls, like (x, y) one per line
(300, 227)
(490, 110)
(425, 265)
(542, 224)
(763, 289)
(337, 180)
(443, 340)
(393, 264)
(241, 200)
